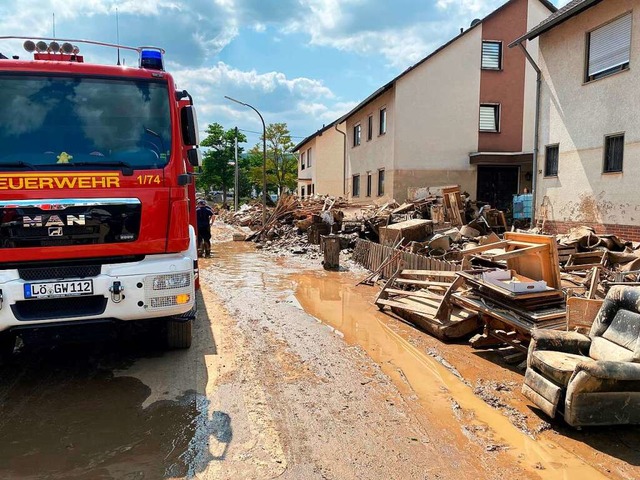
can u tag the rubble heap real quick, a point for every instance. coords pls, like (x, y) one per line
(290, 223)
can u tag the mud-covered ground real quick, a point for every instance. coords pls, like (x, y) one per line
(293, 374)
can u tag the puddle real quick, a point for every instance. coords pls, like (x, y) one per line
(333, 299)
(64, 415)
(241, 265)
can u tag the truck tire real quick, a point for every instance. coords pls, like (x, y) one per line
(179, 334)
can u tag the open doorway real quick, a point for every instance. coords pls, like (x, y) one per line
(497, 185)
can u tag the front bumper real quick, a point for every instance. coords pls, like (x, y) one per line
(157, 286)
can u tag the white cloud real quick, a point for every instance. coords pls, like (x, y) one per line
(224, 75)
(303, 103)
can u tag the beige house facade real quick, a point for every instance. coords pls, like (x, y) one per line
(588, 170)
(463, 115)
(321, 162)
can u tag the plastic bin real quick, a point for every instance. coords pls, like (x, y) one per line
(522, 206)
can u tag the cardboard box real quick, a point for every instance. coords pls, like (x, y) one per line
(511, 281)
(412, 231)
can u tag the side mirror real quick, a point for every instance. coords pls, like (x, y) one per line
(189, 122)
(194, 156)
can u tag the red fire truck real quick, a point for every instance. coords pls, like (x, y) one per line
(97, 208)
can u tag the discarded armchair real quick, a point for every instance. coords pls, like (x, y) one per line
(594, 379)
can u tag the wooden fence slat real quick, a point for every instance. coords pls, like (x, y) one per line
(372, 255)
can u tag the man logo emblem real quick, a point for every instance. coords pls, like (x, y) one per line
(55, 231)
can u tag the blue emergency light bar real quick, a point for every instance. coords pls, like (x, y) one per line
(151, 58)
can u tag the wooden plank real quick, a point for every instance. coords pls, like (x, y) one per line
(595, 281)
(518, 252)
(429, 273)
(382, 295)
(483, 248)
(418, 293)
(424, 283)
(417, 308)
(445, 308)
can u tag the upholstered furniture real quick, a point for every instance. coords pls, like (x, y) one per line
(591, 379)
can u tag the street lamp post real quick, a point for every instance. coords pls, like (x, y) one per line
(236, 179)
(264, 159)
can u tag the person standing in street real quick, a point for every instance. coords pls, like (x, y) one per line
(205, 216)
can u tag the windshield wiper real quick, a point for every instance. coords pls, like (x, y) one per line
(24, 165)
(127, 169)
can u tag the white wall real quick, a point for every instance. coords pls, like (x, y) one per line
(536, 13)
(578, 115)
(437, 108)
(372, 155)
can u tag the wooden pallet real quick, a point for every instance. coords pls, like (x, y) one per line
(430, 311)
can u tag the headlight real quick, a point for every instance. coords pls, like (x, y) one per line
(174, 280)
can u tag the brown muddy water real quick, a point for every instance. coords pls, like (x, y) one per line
(333, 299)
(84, 412)
(64, 414)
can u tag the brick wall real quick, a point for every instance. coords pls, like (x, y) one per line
(625, 232)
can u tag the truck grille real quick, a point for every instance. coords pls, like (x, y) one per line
(59, 272)
(56, 308)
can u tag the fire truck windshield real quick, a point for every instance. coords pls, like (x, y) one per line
(47, 122)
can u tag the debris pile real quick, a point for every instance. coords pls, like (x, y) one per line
(592, 263)
(439, 222)
(293, 225)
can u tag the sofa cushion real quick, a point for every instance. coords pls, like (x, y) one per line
(624, 329)
(604, 349)
(556, 366)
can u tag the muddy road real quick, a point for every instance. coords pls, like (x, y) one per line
(293, 375)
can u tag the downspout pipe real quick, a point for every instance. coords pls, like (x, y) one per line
(344, 160)
(536, 129)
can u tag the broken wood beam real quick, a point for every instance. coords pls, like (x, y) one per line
(429, 273)
(446, 307)
(423, 283)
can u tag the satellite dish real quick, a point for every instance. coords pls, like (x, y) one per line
(475, 22)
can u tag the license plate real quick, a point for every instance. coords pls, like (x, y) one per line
(58, 289)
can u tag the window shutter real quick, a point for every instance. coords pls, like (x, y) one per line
(609, 46)
(491, 55)
(488, 121)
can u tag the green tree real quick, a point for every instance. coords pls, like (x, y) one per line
(282, 166)
(216, 171)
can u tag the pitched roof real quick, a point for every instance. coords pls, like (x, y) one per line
(389, 85)
(574, 7)
(315, 134)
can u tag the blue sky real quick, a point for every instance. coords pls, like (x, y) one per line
(303, 62)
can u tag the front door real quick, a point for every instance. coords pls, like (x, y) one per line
(497, 185)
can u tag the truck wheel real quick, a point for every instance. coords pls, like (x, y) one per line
(179, 334)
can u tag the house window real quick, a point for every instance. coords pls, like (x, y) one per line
(383, 121)
(613, 153)
(489, 118)
(380, 182)
(551, 160)
(302, 162)
(357, 133)
(356, 186)
(368, 184)
(608, 48)
(370, 128)
(492, 55)
(302, 192)
(313, 189)
(309, 158)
